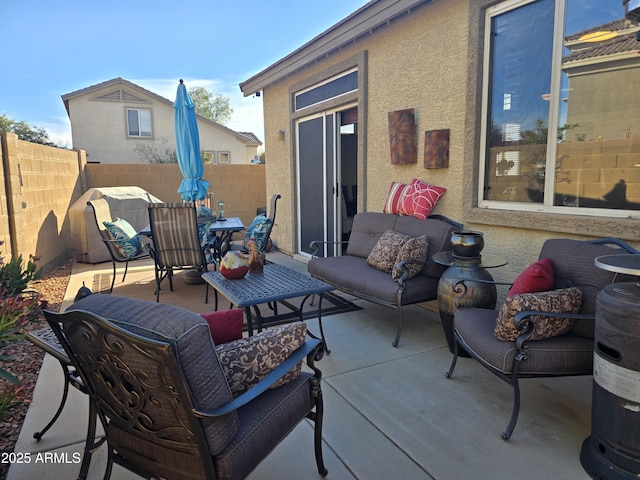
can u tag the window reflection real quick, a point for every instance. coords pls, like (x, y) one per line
(595, 159)
(590, 99)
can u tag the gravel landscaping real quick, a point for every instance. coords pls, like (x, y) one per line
(28, 359)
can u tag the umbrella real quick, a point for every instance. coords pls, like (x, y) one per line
(193, 186)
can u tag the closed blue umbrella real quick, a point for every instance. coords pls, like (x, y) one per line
(193, 186)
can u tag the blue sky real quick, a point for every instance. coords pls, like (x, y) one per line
(51, 48)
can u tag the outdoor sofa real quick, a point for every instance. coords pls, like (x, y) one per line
(351, 272)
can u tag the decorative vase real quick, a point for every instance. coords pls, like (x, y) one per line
(467, 243)
(234, 266)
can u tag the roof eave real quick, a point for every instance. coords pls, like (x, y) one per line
(362, 22)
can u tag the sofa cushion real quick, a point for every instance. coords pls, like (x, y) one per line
(353, 274)
(384, 253)
(537, 277)
(568, 300)
(248, 360)
(367, 229)
(420, 199)
(572, 354)
(413, 250)
(188, 333)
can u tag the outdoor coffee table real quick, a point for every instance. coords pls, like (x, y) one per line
(275, 285)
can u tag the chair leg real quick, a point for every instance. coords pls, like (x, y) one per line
(65, 392)
(113, 278)
(455, 357)
(317, 418)
(400, 324)
(126, 267)
(506, 435)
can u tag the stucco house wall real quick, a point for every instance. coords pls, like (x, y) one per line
(429, 59)
(99, 125)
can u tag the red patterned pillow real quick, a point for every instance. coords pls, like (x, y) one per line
(394, 199)
(225, 325)
(537, 277)
(420, 199)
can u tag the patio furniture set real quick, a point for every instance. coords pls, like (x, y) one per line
(545, 328)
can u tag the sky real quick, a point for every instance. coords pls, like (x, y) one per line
(51, 48)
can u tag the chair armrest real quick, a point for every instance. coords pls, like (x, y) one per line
(312, 348)
(525, 322)
(316, 244)
(404, 272)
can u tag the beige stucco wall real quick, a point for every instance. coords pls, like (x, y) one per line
(428, 60)
(100, 128)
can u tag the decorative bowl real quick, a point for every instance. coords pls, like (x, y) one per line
(234, 265)
(233, 273)
(467, 243)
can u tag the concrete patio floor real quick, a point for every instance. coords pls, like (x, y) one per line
(389, 412)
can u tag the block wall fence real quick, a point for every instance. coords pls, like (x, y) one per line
(40, 183)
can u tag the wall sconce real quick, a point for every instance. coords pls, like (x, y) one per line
(281, 134)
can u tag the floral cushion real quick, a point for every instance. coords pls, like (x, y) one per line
(567, 300)
(384, 253)
(258, 230)
(420, 199)
(394, 198)
(414, 249)
(537, 277)
(247, 361)
(125, 238)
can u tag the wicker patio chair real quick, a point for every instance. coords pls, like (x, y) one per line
(167, 406)
(102, 214)
(176, 243)
(528, 356)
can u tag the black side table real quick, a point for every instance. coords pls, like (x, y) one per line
(477, 290)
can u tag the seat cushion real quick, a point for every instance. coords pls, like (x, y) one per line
(353, 274)
(263, 422)
(567, 354)
(189, 334)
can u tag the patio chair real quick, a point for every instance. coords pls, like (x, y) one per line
(124, 246)
(168, 407)
(260, 228)
(176, 242)
(535, 350)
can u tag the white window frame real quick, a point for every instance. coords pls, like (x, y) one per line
(141, 133)
(556, 66)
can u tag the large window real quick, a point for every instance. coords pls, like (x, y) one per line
(139, 122)
(561, 129)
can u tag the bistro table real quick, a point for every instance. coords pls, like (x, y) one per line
(276, 284)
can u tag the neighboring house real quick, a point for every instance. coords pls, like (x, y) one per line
(502, 79)
(115, 121)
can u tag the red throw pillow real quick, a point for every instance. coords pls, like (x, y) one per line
(225, 325)
(395, 198)
(537, 277)
(420, 199)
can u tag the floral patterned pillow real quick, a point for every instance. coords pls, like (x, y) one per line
(566, 300)
(414, 249)
(384, 253)
(248, 360)
(125, 237)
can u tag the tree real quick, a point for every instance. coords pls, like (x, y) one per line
(214, 107)
(160, 154)
(26, 132)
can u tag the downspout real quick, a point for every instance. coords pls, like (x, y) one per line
(11, 218)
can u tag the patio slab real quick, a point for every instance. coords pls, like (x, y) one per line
(389, 412)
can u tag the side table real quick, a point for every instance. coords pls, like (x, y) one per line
(465, 283)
